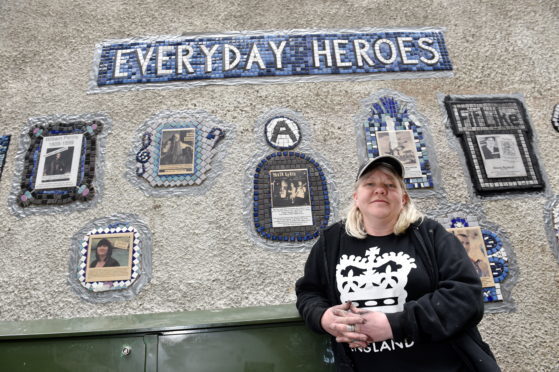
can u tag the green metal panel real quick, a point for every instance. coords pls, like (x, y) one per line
(73, 355)
(269, 348)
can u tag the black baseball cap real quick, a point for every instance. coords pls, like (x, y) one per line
(386, 160)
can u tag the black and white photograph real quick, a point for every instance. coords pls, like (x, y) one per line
(177, 152)
(501, 156)
(59, 161)
(290, 197)
(400, 144)
(109, 257)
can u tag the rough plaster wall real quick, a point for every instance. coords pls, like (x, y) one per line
(202, 256)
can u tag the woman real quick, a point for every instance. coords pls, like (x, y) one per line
(103, 255)
(396, 291)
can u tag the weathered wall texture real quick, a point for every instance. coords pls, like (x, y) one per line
(202, 256)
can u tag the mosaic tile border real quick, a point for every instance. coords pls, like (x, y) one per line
(101, 286)
(269, 57)
(496, 254)
(4, 144)
(257, 217)
(211, 141)
(318, 190)
(390, 112)
(555, 118)
(472, 117)
(140, 269)
(551, 219)
(498, 247)
(27, 198)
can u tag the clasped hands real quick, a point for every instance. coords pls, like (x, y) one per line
(357, 327)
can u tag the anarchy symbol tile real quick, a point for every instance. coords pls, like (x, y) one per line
(282, 133)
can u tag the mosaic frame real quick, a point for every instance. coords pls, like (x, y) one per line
(140, 268)
(248, 57)
(555, 118)
(211, 141)
(484, 118)
(258, 197)
(551, 220)
(25, 199)
(498, 248)
(4, 146)
(388, 111)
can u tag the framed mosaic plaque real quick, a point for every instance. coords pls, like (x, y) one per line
(388, 124)
(59, 163)
(290, 197)
(291, 192)
(177, 151)
(487, 249)
(497, 141)
(4, 143)
(111, 258)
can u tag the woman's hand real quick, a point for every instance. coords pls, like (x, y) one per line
(341, 322)
(376, 326)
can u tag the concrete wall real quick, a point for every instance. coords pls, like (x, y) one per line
(47, 49)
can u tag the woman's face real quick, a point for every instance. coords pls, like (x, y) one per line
(379, 196)
(102, 251)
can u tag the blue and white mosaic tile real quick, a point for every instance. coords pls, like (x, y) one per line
(239, 57)
(466, 229)
(392, 127)
(4, 144)
(177, 148)
(291, 194)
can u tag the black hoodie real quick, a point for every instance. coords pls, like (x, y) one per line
(447, 313)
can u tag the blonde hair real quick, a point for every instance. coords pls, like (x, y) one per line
(354, 225)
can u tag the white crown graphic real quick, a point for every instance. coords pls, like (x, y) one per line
(375, 282)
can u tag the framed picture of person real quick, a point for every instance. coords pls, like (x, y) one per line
(400, 144)
(472, 241)
(109, 257)
(59, 161)
(177, 151)
(290, 198)
(501, 156)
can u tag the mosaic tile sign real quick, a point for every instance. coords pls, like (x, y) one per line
(496, 137)
(291, 194)
(390, 125)
(176, 151)
(4, 143)
(59, 163)
(243, 57)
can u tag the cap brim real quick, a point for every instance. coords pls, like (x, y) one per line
(389, 160)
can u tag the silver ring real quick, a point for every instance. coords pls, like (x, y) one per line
(351, 328)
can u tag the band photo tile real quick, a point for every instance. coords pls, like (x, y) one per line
(177, 151)
(290, 198)
(109, 257)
